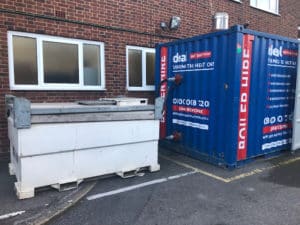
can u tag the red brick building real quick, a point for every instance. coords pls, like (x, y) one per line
(58, 50)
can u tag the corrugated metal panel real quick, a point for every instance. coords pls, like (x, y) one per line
(272, 95)
(296, 119)
(235, 83)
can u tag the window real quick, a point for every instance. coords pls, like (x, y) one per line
(41, 62)
(140, 68)
(267, 5)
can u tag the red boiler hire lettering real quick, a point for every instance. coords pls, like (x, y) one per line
(163, 75)
(244, 98)
(163, 88)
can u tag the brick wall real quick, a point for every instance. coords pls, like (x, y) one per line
(121, 23)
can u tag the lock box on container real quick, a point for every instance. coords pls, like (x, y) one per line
(229, 95)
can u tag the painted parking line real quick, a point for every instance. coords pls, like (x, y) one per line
(8, 215)
(234, 178)
(194, 170)
(137, 186)
(260, 170)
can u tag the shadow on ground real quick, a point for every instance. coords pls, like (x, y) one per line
(287, 175)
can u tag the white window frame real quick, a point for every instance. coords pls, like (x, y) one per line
(144, 86)
(40, 65)
(253, 3)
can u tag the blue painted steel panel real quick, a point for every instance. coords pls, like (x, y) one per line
(236, 98)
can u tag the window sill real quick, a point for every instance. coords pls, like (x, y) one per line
(32, 88)
(237, 1)
(140, 89)
(266, 11)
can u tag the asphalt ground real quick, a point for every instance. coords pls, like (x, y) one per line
(47, 203)
(191, 192)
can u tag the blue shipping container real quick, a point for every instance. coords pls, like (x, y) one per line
(236, 97)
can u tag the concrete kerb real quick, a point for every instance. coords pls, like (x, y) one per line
(61, 206)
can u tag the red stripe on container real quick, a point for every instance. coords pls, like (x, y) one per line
(163, 88)
(244, 97)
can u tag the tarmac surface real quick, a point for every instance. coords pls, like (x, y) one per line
(184, 192)
(46, 204)
(263, 192)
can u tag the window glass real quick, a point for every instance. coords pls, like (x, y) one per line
(273, 5)
(268, 5)
(25, 60)
(135, 67)
(43, 62)
(150, 65)
(60, 62)
(91, 64)
(253, 2)
(263, 4)
(140, 68)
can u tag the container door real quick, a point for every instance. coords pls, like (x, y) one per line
(296, 123)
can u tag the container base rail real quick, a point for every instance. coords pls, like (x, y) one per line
(217, 160)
